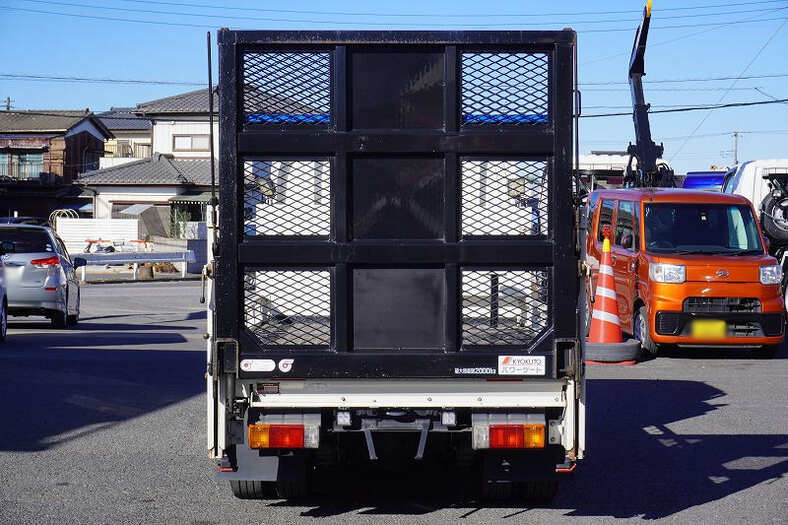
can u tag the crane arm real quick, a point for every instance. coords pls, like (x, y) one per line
(644, 150)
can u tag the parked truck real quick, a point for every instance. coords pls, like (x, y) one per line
(395, 273)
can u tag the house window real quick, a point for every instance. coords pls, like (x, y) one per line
(21, 165)
(190, 143)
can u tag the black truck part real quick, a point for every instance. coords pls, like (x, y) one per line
(396, 204)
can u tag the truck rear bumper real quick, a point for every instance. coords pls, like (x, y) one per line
(397, 393)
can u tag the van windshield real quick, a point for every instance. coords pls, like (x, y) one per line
(701, 228)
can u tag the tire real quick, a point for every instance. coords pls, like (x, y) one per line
(642, 333)
(253, 489)
(539, 492)
(291, 489)
(765, 352)
(74, 319)
(774, 217)
(60, 319)
(3, 321)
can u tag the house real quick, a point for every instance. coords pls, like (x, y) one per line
(180, 125)
(42, 152)
(159, 190)
(132, 137)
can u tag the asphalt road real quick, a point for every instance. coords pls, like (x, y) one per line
(105, 424)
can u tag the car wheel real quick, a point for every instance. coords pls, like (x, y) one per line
(643, 334)
(3, 321)
(60, 318)
(74, 319)
(253, 489)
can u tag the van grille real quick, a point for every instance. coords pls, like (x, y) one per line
(721, 304)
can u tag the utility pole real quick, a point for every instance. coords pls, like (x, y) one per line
(736, 148)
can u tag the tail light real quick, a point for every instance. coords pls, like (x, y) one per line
(264, 435)
(529, 435)
(47, 262)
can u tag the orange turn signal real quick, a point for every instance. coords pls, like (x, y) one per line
(262, 435)
(529, 435)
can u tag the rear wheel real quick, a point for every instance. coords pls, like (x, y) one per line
(3, 321)
(253, 489)
(642, 332)
(60, 318)
(74, 318)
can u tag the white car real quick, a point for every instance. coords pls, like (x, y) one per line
(765, 184)
(39, 274)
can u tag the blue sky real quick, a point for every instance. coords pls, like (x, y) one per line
(687, 40)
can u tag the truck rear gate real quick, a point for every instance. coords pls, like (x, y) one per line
(397, 251)
(396, 204)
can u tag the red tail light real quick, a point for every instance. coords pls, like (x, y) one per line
(44, 263)
(276, 436)
(517, 436)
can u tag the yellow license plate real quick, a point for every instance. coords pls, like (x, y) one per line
(708, 329)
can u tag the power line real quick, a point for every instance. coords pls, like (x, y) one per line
(268, 19)
(693, 34)
(444, 15)
(693, 108)
(697, 79)
(595, 115)
(22, 76)
(707, 115)
(335, 22)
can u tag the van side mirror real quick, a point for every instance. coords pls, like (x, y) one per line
(767, 244)
(6, 247)
(79, 262)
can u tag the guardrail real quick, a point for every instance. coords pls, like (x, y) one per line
(135, 258)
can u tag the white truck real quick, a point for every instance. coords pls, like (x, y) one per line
(394, 275)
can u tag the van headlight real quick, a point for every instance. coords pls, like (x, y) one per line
(667, 273)
(772, 274)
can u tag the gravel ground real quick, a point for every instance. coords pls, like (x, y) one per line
(104, 423)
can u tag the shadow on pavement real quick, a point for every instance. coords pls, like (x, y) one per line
(54, 394)
(636, 466)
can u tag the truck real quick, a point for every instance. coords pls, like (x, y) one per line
(394, 271)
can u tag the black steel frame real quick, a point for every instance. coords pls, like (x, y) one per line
(552, 141)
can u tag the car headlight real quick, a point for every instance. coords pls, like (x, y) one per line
(772, 274)
(667, 273)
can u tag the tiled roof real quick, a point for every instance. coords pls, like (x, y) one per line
(191, 102)
(155, 171)
(45, 120)
(197, 102)
(123, 119)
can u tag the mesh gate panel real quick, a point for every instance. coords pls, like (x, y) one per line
(504, 88)
(504, 197)
(287, 197)
(288, 307)
(287, 88)
(504, 308)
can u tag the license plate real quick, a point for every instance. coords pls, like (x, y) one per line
(708, 329)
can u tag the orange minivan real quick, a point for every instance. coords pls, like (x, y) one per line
(691, 268)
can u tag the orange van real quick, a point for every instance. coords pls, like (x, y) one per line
(691, 268)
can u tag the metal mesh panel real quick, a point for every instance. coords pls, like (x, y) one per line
(504, 197)
(504, 88)
(504, 307)
(288, 307)
(287, 88)
(287, 197)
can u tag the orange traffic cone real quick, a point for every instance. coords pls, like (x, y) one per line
(605, 343)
